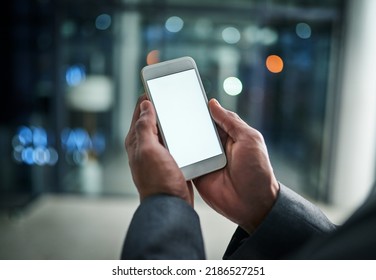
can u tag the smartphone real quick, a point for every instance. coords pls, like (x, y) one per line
(185, 124)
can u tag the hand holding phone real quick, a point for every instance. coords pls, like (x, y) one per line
(187, 129)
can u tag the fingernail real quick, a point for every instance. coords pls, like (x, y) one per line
(143, 106)
(216, 102)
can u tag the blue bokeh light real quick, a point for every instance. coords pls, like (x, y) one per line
(77, 143)
(30, 146)
(75, 139)
(303, 30)
(103, 22)
(25, 135)
(75, 75)
(39, 137)
(41, 156)
(28, 155)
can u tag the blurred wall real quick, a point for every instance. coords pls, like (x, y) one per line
(355, 151)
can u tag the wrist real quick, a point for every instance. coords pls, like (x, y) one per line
(262, 209)
(181, 190)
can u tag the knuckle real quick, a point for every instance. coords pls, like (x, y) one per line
(233, 115)
(231, 128)
(146, 149)
(232, 123)
(129, 140)
(258, 136)
(141, 124)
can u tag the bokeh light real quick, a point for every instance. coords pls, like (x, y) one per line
(27, 155)
(68, 28)
(39, 137)
(232, 86)
(303, 30)
(30, 146)
(265, 36)
(152, 57)
(75, 74)
(41, 156)
(174, 24)
(103, 22)
(231, 35)
(25, 135)
(274, 63)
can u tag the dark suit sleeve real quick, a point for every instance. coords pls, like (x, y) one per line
(291, 223)
(164, 227)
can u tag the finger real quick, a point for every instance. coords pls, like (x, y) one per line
(136, 113)
(228, 121)
(131, 136)
(146, 125)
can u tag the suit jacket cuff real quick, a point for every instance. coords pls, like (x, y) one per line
(290, 224)
(164, 227)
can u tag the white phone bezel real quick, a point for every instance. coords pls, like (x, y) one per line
(169, 67)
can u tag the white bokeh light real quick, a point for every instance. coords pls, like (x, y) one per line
(266, 36)
(232, 86)
(174, 24)
(231, 35)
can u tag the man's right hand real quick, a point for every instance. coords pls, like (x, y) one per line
(246, 189)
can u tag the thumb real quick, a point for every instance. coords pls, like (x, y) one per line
(145, 107)
(147, 122)
(227, 120)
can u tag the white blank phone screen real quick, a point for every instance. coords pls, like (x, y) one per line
(184, 117)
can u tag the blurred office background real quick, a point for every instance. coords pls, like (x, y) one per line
(301, 72)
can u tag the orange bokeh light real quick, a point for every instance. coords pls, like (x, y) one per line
(274, 63)
(152, 57)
